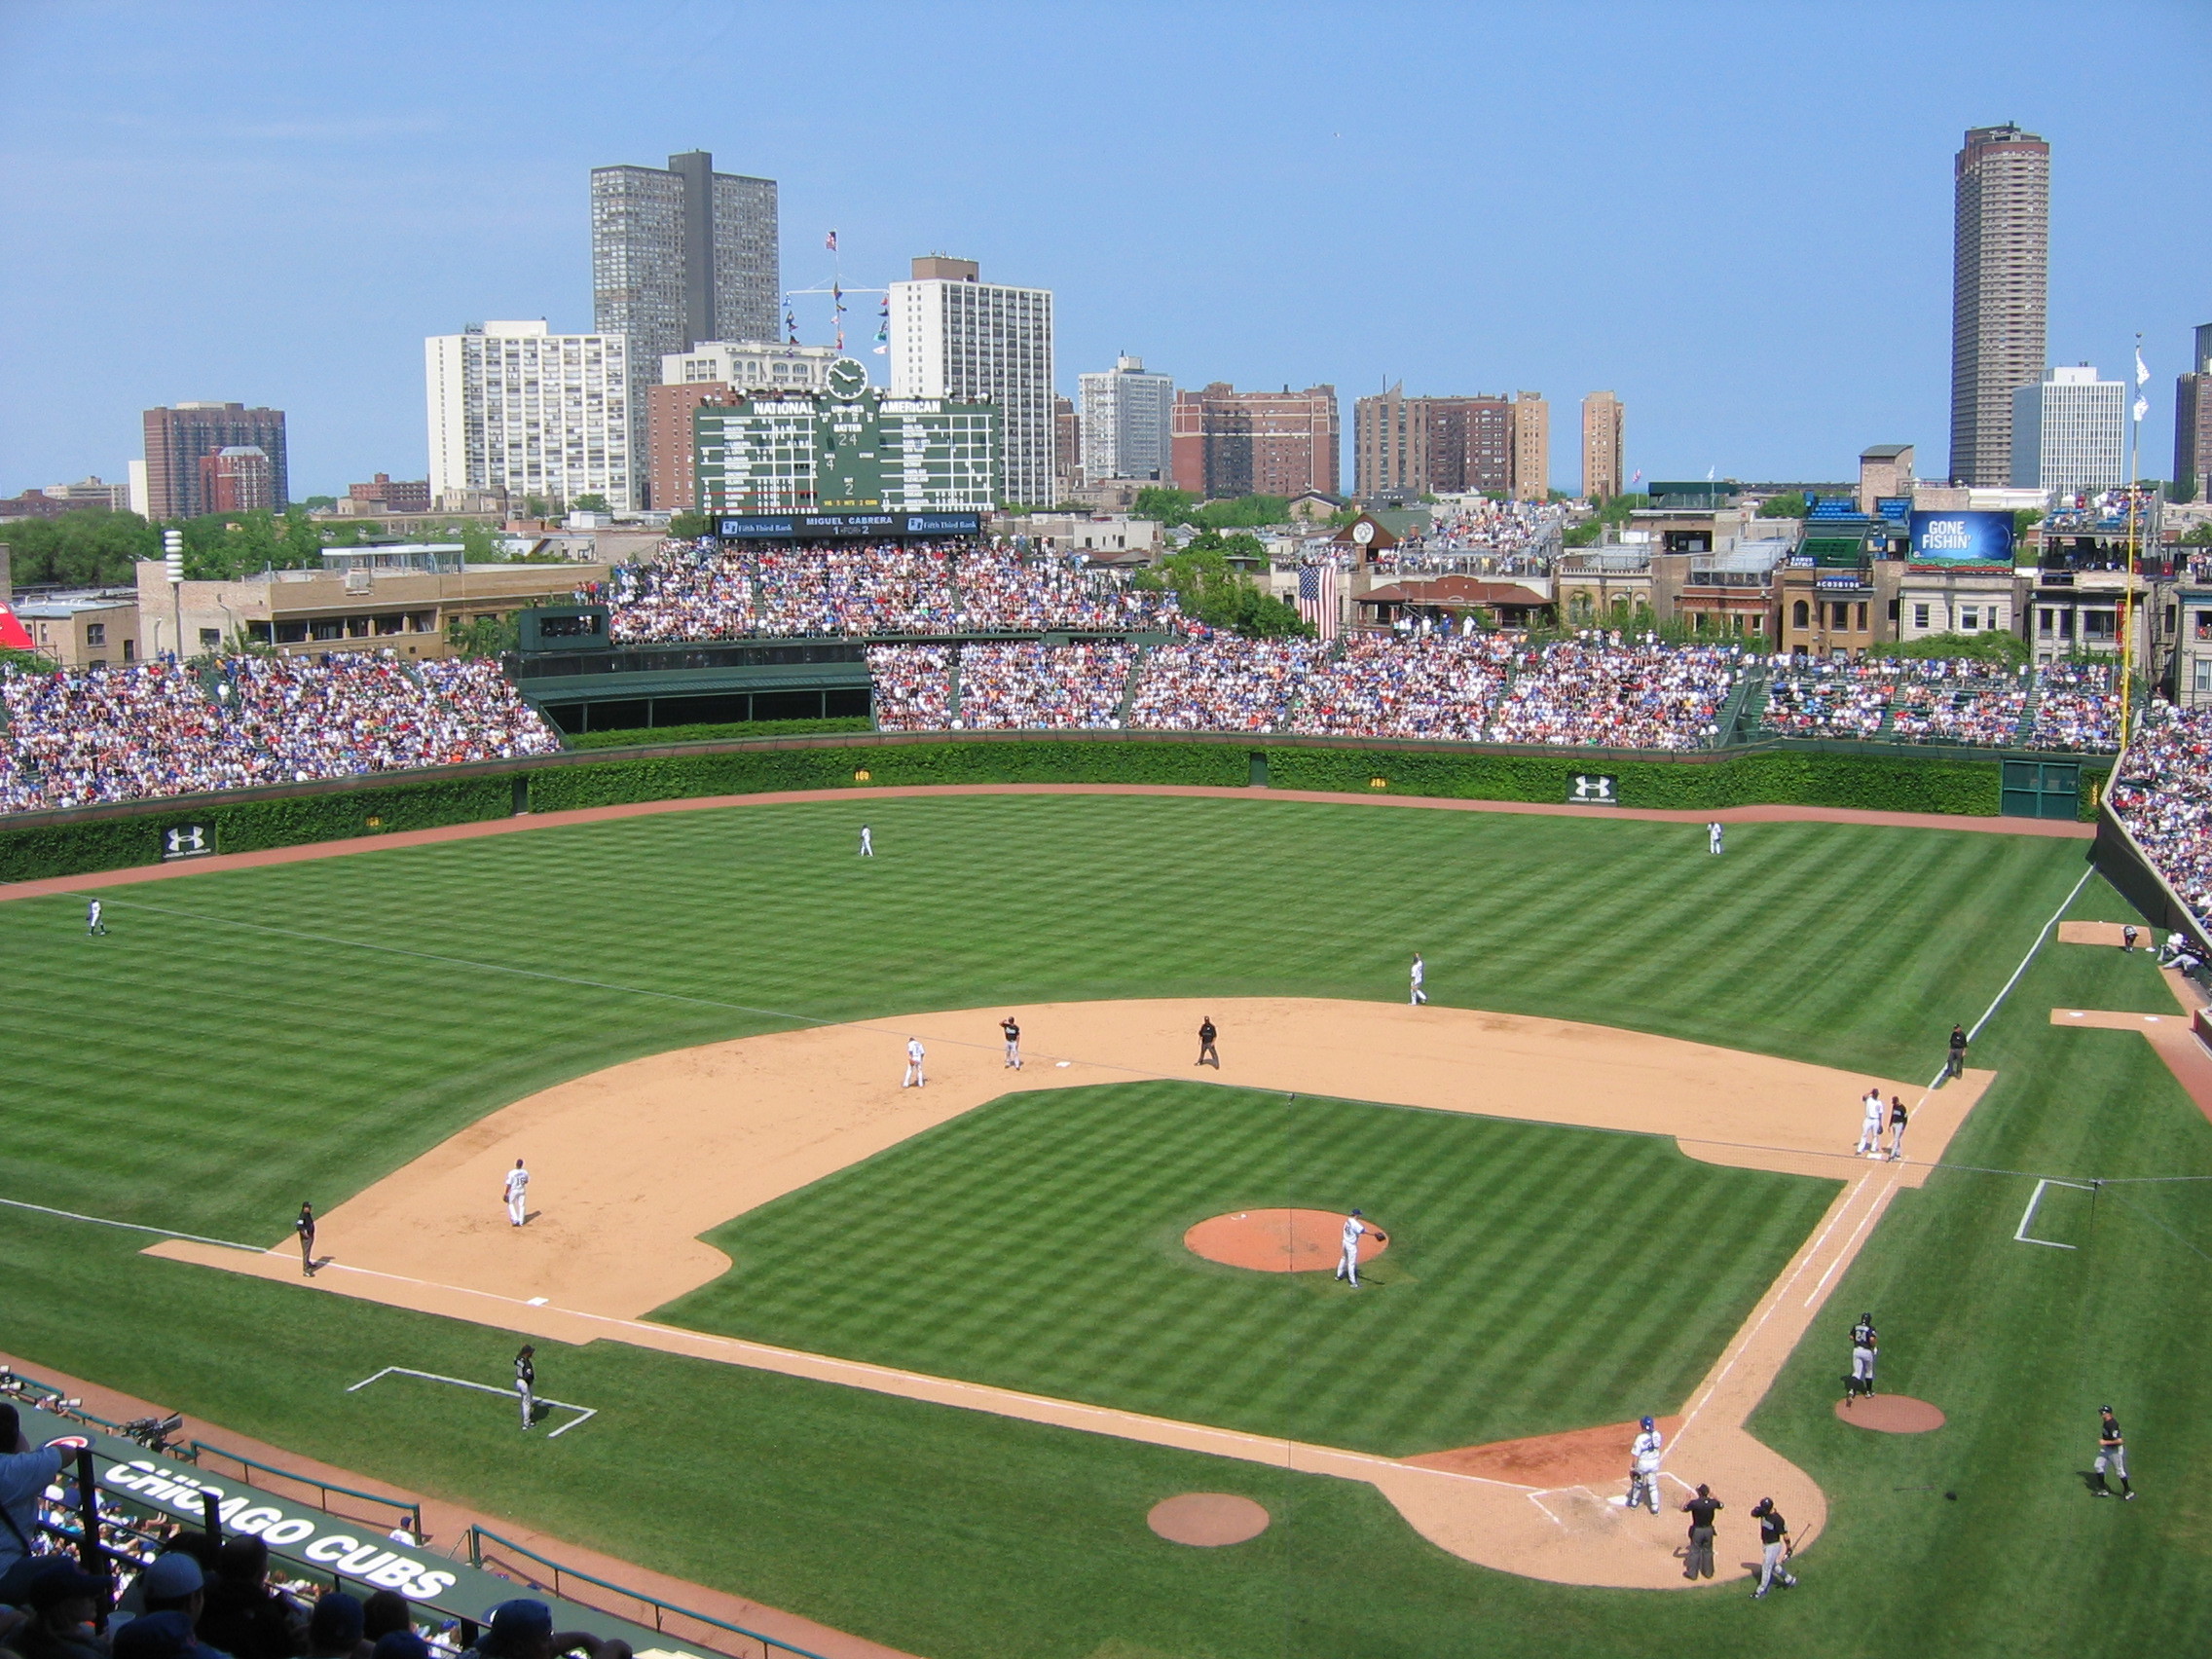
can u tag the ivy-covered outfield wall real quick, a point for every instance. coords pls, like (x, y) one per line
(121, 836)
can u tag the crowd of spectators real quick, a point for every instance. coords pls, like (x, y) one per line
(1030, 686)
(1959, 700)
(2077, 707)
(1221, 684)
(914, 687)
(1820, 697)
(701, 590)
(1435, 686)
(1602, 691)
(80, 737)
(2164, 797)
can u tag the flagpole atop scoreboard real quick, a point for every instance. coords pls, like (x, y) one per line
(2133, 508)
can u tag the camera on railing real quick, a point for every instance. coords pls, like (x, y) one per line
(152, 1432)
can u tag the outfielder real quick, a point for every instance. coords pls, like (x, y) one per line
(2112, 1453)
(1775, 1548)
(1643, 1467)
(1863, 1346)
(1013, 1035)
(526, 1379)
(915, 1077)
(518, 1195)
(1419, 978)
(1348, 1263)
(1870, 1126)
(868, 843)
(1712, 838)
(93, 922)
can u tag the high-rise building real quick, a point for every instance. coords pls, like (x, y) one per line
(2192, 423)
(953, 336)
(2070, 432)
(515, 407)
(1067, 448)
(1601, 419)
(176, 439)
(236, 479)
(2000, 283)
(1229, 443)
(1431, 445)
(1128, 422)
(680, 255)
(846, 448)
(1531, 448)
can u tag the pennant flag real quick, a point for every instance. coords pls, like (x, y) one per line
(790, 324)
(1638, 478)
(829, 241)
(2142, 407)
(883, 327)
(2142, 372)
(13, 636)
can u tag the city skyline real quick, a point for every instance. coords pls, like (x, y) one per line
(1757, 355)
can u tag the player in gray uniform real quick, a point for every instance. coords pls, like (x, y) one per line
(526, 1381)
(2112, 1455)
(1775, 1548)
(1863, 1346)
(1013, 1035)
(93, 914)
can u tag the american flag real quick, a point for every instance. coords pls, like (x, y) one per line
(1317, 598)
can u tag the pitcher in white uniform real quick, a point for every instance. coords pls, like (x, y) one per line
(518, 1195)
(1347, 1263)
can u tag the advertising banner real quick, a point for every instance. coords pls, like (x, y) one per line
(1961, 538)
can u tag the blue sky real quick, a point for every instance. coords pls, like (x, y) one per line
(1737, 216)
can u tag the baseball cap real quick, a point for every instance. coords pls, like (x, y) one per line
(336, 1621)
(525, 1615)
(155, 1636)
(66, 1582)
(171, 1577)
(401, 1644)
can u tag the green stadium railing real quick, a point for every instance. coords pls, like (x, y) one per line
(564, 1577)
(409, 1507)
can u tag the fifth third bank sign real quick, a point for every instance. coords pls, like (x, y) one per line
(1961, 538)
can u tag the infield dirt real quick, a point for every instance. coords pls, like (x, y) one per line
(632, 1164)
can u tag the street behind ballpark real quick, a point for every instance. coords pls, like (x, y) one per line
(221, 1055)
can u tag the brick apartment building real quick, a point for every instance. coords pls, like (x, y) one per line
(1229, 443)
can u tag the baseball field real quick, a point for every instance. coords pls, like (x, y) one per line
(1611, 1158)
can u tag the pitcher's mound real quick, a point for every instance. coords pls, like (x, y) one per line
(1278, 1240)
(1892, 1413)
(1208, 1519)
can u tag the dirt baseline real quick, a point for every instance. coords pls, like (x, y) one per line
(712, 1132)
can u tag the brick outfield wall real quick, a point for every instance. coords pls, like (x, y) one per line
(39, 845)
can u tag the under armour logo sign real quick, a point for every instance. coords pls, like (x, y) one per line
(184, 841)
(1592, 789)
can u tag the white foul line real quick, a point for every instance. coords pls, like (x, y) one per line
(2028, 1216)
(585, 1412)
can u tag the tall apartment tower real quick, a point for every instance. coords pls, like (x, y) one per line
(1229, 443)
(176, 440)
(2192, 423)
(1601, 416)
(1531, 448)
(2000, 284)
(1126, 423)
(680, 255)
(1430, 445)
(958, 337)
(515, 407)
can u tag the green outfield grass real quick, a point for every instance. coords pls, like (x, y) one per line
(236, 1046)
(1036, 1243)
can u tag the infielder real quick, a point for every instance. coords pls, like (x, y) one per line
(93, 922)
(1863, 1346)
(1870, 1126)
(1643, 1467)
(1347, 1261)
(1775, 1548)
(1012, 1034)
(915, 1077)
(1897, 1116)
(2112, 1453)
(868, 843)
(518, 1195)
(303, 1225)
(1419, 978)
(526, 1379)
(1712, 838)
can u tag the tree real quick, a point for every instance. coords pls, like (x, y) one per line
(314, 501)
(1209, 589)
(478, 545)
(591, 501)
(303, 539)
(483, 636)
(1168, 505)
(684, 527)
(2200, 536)
(1243, 512)
(1790, 503)
(87, 547)
(2025, 520)
(1613, 510)
(535, 506)
(1995, 645)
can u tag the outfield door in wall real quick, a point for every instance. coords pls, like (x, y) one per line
(2041, 789)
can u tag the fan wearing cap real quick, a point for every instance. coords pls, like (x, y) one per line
(62, 1602)
(24, 1475)
(522, 1629)
(172, 1589)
